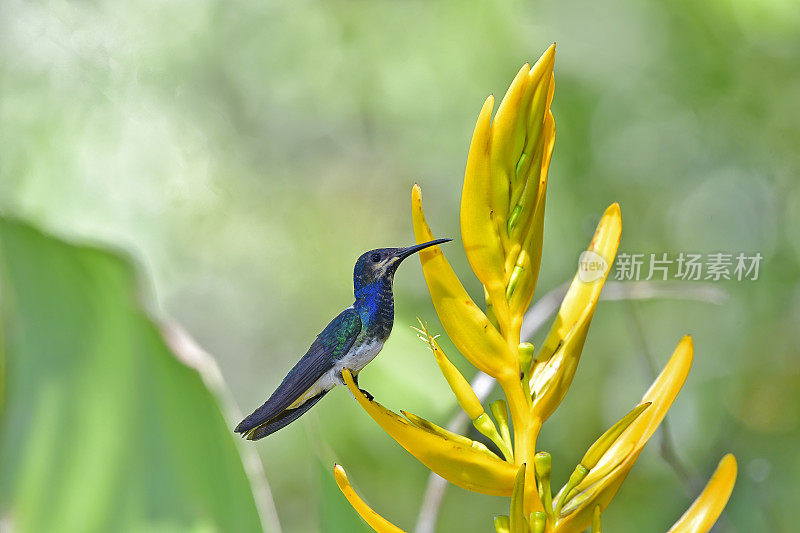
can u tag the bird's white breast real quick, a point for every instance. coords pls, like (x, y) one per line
(359, 355)
(357, 358)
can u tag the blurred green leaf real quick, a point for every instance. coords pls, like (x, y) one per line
(104, 429)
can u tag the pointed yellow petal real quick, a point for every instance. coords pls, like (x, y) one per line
(541, 80)
(452, 459)
(603, 481)
(508, 140)
(584, 294)
(466, 325)
(709, 505)
(552, 378)
(480, 221)
(530, 120)
(376, 521)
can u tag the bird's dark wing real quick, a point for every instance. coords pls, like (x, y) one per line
(330, 345)
(286, 417)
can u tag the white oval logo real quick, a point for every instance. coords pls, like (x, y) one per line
(591, 266)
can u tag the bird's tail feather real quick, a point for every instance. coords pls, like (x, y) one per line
(281, 420)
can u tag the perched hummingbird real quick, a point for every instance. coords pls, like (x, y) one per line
(351, 340)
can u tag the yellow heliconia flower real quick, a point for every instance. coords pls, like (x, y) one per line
(502, 217)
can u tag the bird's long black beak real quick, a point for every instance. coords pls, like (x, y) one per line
(402, 253)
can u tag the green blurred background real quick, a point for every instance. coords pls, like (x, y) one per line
(245, 153)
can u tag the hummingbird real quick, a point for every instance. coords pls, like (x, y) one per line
(351, 340)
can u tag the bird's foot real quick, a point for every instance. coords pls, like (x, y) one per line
(369, 396)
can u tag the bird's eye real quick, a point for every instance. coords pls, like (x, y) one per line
(375, 258)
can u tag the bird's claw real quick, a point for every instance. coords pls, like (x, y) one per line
(369, 396)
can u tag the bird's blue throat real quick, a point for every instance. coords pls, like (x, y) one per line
(375, 305)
